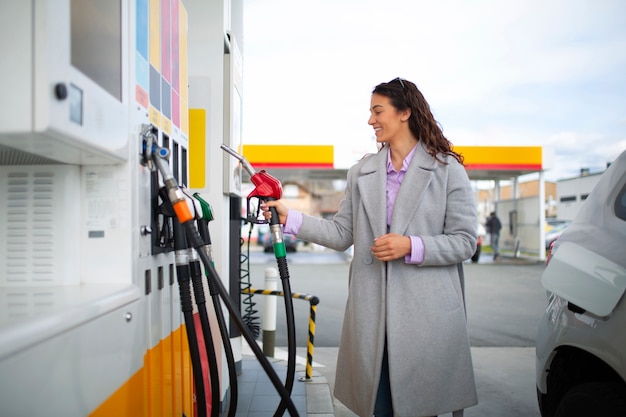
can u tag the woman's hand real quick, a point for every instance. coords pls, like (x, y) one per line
(391, 246)
(280, 207)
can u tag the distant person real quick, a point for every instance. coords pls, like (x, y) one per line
(493, 228)
(409, 211)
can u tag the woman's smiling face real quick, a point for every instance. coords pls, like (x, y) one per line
(386, 120)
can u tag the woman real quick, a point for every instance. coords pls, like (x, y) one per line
(410, 214)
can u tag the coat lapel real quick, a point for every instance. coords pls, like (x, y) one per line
(416, 180)
(372, 183)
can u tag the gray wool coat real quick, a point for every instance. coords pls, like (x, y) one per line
(419, 308)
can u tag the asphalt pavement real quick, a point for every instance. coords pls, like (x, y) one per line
(505, 381)
(504, 299)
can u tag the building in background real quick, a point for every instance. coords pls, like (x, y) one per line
(571, 193)
(562, 198)
(485, 198)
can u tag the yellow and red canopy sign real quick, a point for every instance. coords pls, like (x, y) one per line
(290, 156)
(502, 158)
(477, 158)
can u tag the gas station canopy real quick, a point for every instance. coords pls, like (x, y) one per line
(294, 162)
(502, 162)
(316, 162)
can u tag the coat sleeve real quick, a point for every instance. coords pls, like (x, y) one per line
(335, 233)
(457, 240)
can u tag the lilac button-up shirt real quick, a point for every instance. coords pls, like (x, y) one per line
(394, 180)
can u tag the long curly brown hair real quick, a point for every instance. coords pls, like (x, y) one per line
(405, 95)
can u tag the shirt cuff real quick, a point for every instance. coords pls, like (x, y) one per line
(293, 223)
(417, 251)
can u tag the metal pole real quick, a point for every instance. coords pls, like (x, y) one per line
(269, 313)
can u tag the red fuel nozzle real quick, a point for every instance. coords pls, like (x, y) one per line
(266, 186)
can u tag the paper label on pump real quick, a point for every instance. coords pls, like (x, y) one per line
(101, 195)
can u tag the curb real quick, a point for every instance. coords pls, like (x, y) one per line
(319, 401)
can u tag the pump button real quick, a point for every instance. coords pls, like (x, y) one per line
(60, 91)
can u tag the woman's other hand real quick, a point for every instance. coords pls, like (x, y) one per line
(391, 246)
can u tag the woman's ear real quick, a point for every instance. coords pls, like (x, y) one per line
(406, 115)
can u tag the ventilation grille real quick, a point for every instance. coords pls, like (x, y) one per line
(22, 303)
(10, 156)
(34, 225)
(30, 226)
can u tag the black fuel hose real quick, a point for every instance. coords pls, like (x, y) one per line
(186, 303)
(228, 350)
(203, 228)
(283, 270)
(198, 290)
(195, 271)
(196, 241)
(181, 256)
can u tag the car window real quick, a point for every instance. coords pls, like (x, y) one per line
(620, 204)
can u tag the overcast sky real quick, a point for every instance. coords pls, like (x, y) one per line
(527, 72)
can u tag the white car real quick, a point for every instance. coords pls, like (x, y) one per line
(581, 340)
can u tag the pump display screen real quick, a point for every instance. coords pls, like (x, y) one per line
(96, 37)
(76, 104)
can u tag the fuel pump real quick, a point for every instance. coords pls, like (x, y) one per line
(269, 188)
(186, 218)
